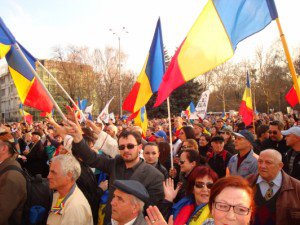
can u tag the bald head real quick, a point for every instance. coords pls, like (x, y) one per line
(276, 155)
(269, 164)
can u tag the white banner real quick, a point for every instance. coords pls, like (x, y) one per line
(104, 115)
(202, 104)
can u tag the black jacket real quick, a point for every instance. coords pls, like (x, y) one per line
(294, 169)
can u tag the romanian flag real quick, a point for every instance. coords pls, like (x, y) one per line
(27, 116)
(190, 109)
(150, 77)
(213, 39)
(29, 89)
(246, 109)
(291, 96)
(141, 120)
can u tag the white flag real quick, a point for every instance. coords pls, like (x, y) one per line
(89, 109)
(202, 104)
(112, 117)
(104, 115)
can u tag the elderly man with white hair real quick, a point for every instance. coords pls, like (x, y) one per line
(69, 206)
(277, 195)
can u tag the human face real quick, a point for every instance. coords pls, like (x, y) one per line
(186, 145)
(178, 122)
(182, 135)
(265, 135)
(235, 197)
(241, 143)
(185, 165)
(268, 166)
(202, 194)
(123, 209)
(151, 154)
(213, 131)
(217, 146)
(130, 155)
(219, 124)
(292, 140)
(35, 138)
(57, 179)
(202, 141)
(275, 134)
(225, 135)
(197, 130)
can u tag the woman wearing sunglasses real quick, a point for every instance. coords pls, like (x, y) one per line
(193, 208)
(230, 202)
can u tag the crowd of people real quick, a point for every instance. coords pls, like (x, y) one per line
(216, 171)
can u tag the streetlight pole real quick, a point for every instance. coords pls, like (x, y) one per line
(118, 35)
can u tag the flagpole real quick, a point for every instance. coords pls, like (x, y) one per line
(170, 133)
(39, 79)
(61, 87)
(289, 59)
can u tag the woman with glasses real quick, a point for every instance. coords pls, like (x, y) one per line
(193, 208)
(231, 202)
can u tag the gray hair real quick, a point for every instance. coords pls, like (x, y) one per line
(275, 154)
(137, 201)
(69, 164)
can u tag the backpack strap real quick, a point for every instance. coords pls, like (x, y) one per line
(12, 167)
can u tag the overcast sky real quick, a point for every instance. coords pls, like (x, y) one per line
(41, 24)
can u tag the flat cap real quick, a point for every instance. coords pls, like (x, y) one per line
(247, 135)
(217, 139)
(132, 187)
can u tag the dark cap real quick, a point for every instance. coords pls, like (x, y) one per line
(246, 134)
(132, 187)
(217, 138)
(36, 133)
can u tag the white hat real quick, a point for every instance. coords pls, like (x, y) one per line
(293, 130)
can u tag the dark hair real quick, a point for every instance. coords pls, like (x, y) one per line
(150, 144)
(125, 134)
(164, 153)
(199, 172)
(192, 155)
(261, 130)
(189, 132)
(234, 182)
(207, 137)
(277, 123)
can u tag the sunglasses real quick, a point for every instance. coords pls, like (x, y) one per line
(272, 132)
(129, 146)
(181, 161)
(202, 184)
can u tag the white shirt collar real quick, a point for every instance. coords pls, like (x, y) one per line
(114, 222)
(277, 181)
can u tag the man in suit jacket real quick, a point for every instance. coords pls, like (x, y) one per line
(128, 203)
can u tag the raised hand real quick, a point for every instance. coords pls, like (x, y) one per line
(156, 218)
(73, 130)
(169, 190)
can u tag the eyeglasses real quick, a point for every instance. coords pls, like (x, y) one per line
(129, 146)
(202, 184)
(181, 161)
(272, 132)
(240, 210)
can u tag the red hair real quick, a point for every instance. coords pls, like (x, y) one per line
(234, 182)
(199, 172)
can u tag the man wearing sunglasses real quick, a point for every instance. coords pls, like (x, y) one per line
(276, 139)
(126, 166)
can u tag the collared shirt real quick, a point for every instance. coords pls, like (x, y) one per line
(264, 185)
(129, 171)
(113, 222)
(241, 159)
